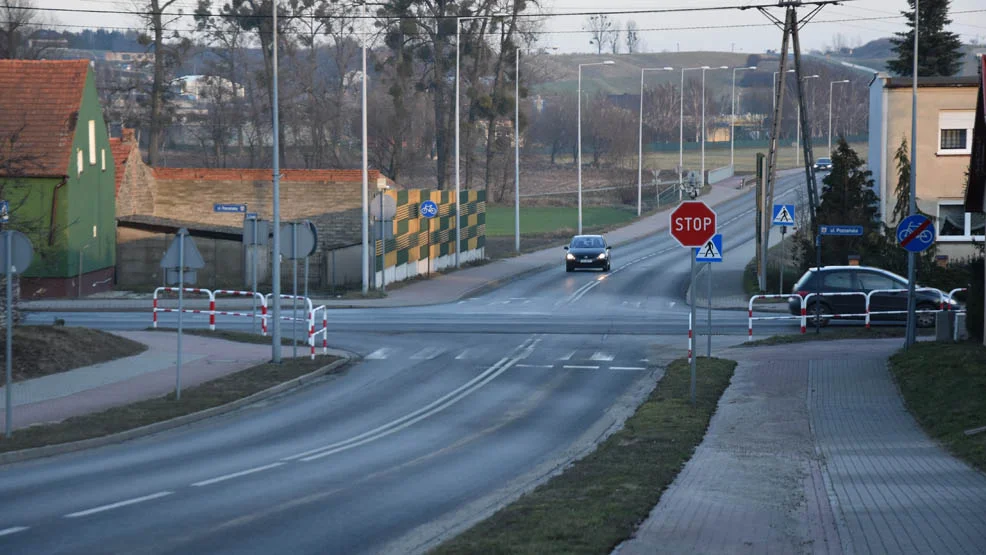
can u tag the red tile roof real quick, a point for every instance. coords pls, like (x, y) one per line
(208, 174)
(121, 151)
(39, 105)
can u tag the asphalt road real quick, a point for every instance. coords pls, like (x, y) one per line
(453, 409)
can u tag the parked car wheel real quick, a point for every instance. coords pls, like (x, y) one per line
(824, 314)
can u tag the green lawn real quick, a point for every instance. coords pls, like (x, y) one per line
(545, 219)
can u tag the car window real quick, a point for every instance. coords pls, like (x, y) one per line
(869, 281)
(841, 281)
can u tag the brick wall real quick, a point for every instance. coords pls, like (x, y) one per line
(135, 193)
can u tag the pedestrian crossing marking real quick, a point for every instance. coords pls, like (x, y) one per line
(379, 354)
(427, 353)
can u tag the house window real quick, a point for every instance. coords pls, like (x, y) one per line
(78, 161)
(955, 224)
(954, 131)
(102, 159)
(92, 142)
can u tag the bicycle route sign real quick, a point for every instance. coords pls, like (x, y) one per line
(915, 233)
(429, 209)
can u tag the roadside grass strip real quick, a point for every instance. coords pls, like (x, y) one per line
(208, 395)
(600, 500)
(833, 334)
(229, 335)
(944, 387)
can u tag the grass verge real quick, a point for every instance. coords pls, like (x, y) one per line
(44, 350)
(228, 335)
(832, 334)
(544, 219)
(944, 387)
(194, 399)
(601, 499)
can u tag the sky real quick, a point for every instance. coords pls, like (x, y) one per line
(857, 21)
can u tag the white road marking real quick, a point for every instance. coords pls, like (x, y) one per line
(379, 354)
(12, 530)
(117, 505)
(464, 354)
(626, 368)
(427, 353)
(568, 356)
(534, 365)
(236, 475)
(601, 356)
(577, 367)
(436, 406)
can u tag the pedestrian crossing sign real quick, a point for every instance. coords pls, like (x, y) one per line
(783, 214)
(711, 251)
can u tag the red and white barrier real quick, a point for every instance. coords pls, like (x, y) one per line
(689, 338)
(761, 297)
(941, 302)
(324, 331)
(258, 296)
(195, 290)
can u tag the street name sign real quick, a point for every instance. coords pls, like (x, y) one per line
(693, 223)
(783, 215)
(844, 230)
(711, 251)
(229, 208)
(915, 233)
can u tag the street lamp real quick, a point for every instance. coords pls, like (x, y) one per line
(579, 139)
(702, 174)
(830, 111)
(681, 127)
(797, 136)
(640, 145)
(732, 121)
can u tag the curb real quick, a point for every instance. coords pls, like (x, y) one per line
(11, 457)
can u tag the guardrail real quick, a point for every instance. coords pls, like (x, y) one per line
(324, 332)
(252, 314)
(791, 317)
(212, 304)
(941, 302)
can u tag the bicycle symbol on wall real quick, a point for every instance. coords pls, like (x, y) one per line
(428, 209)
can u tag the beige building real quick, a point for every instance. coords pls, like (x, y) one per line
(946, 113)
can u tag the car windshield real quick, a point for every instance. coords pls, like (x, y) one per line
(824, 160)
(587, 243)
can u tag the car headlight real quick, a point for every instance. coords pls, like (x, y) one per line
(569, 256)
(602, 256)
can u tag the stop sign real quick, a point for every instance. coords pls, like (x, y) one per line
(693, 223)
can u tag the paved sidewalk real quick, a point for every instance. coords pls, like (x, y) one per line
(445, 288)
(812, 451)
(150, 374)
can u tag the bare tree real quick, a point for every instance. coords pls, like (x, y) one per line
(613, 39)
(632, 37)
(167, 58)
(600, 29)
(19, 20)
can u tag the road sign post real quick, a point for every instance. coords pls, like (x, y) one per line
(837, 230)
(783, 217)
(692, 224)
(429, 210)
(915, 233)
(180, 255)
(709, 253)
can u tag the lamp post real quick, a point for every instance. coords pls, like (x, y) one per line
(365, 194)
(681, 128)
(702, 174)
(797, 136)
(579, 139)
(640, 136)
(732, 121)
(517, 151)
(830, 111)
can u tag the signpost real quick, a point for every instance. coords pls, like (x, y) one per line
(915, 233)
(302, 242)
(256, 233)
(709, 253)
(229, 208)
(429, 210)
(838, 231)
(693, 224)
(181, 254)
(783, 217)
(16, 252)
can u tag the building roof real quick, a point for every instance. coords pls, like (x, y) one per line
(942, 82)
(210, 174)
(39, 106)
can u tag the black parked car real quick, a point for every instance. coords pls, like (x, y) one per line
(838, 279)
(587, 251)
(823, 164)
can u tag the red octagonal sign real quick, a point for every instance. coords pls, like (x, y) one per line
(693, 223)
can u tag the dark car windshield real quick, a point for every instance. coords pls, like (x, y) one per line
(824, 160)
(587, 243)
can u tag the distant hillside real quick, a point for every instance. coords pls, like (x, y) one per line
(875, 54)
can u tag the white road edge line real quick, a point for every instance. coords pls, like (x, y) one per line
(13, 530)
(435, 406)
(111, 506)
(236, 474)
(534, 365)
(577, 367)
(627, 368)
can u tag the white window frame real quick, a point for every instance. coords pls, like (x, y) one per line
(951, 121)
(92, 142)
(967, 225)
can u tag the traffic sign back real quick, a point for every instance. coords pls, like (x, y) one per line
(693, 223)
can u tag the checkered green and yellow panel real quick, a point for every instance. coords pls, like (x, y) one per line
(417, 238)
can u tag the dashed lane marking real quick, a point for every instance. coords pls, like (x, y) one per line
(119, 504)
(236, 475)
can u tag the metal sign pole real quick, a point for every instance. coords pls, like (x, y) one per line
(383, 249)
(780, 289)
(181, 298)
(818, 281)
(692, 316)
(8, 389)
(306, 278)
(708, 350)
(253, 268)
(294, 290)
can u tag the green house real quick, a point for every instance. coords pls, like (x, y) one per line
(57, 175)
